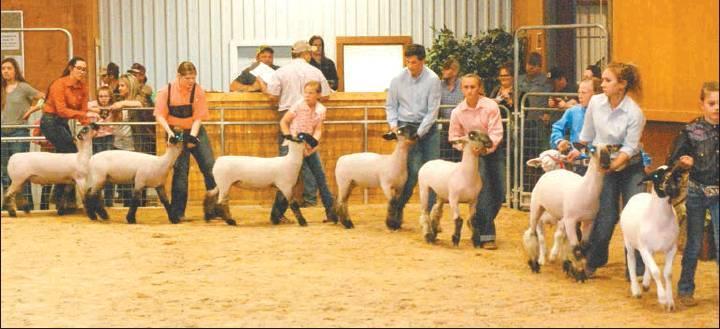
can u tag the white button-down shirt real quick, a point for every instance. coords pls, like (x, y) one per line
(622, 125)
(289, 80)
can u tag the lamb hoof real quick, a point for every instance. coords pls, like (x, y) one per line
(646, 289)
(131, 220)
(12, 213)
(567, 267)
(393, 225)
(348, 224)
(669, 307)
(103, 214)
(26, 208)
(638, 296)
(534, 266)
(430, 238)
(580, 276)
(302, 221)
(60, 211)
(231, 222)
(456, 240)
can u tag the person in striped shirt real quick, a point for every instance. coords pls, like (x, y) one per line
(306, 116)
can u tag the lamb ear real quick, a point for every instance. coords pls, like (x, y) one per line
(388, 136)
(309, 139)
(535, 163)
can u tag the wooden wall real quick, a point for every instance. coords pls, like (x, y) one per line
(46, 52)
(261, 140)
(675, 45)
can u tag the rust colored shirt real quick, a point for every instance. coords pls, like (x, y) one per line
(68, 99)
(181, 97)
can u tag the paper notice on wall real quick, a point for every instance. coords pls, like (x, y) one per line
(10, 41)
(263, 72)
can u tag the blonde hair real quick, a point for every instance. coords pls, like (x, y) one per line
(708, 87)
(314, 84)
(133, 86)
(630, 74)
(186, 68)
(477, 78)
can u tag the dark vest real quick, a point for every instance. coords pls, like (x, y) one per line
(181, 111)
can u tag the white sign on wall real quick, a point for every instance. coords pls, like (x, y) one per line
(370, 68)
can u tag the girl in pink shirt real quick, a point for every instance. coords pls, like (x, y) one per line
(307, 117)
(478, 112)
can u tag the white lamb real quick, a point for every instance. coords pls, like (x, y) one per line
(649, 225)
(453, 182)
(255, 173)
(369, 170)
(50, 168)
(575, 199)
(127, 167)
(549, 160)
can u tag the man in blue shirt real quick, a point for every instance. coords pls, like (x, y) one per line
(414, 100)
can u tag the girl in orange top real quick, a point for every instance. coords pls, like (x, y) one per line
(67, 99)
(180, 109)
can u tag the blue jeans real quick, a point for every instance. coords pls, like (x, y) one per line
(103, 144)
(8, 149)
(696, 204)
(615, 185)
(490, 199)
(427, 148)
(315, 167)
(204, 157)
(57, 131)
(310, 185)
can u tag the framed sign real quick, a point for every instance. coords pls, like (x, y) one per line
(12, 42)
(368, 64)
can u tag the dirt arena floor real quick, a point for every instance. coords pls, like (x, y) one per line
(71, 272)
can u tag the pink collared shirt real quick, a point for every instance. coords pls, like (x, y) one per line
(306, 120)
(485, 116)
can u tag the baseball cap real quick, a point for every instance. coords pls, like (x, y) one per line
(302, 46)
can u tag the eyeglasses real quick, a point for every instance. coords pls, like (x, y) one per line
(81, 68)
(505, 75)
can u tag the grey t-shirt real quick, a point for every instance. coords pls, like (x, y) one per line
(17, 103)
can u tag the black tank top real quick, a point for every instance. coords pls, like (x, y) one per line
(181, 111)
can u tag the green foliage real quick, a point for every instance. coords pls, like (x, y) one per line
(483, 54)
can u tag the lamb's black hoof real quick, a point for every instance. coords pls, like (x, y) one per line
(61, 211)
(302, 221)
(646, 289)
(103, 214)
(534, 266)
(12, 213)
(580, 275)
(567, 267)
(393, 225)
(231, 222)
(131, 221)
(26, 208)
(174, 220)
(92, 216)
(347, 223)
(456, 240)
(430, 238)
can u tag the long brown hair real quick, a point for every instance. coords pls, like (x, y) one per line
(18, 77)
(186, 68)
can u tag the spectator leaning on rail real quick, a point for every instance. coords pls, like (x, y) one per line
(324, 64)
(180, 109)
(17, 99)
(615, 119)
(478, 112)
(451, 96)
(413, 100)
(144, 135)
(697, 149)
(67, 99)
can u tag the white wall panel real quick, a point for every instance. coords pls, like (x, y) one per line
(162, 33)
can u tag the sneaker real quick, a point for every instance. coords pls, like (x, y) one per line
(489, 245)
(688, 300)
